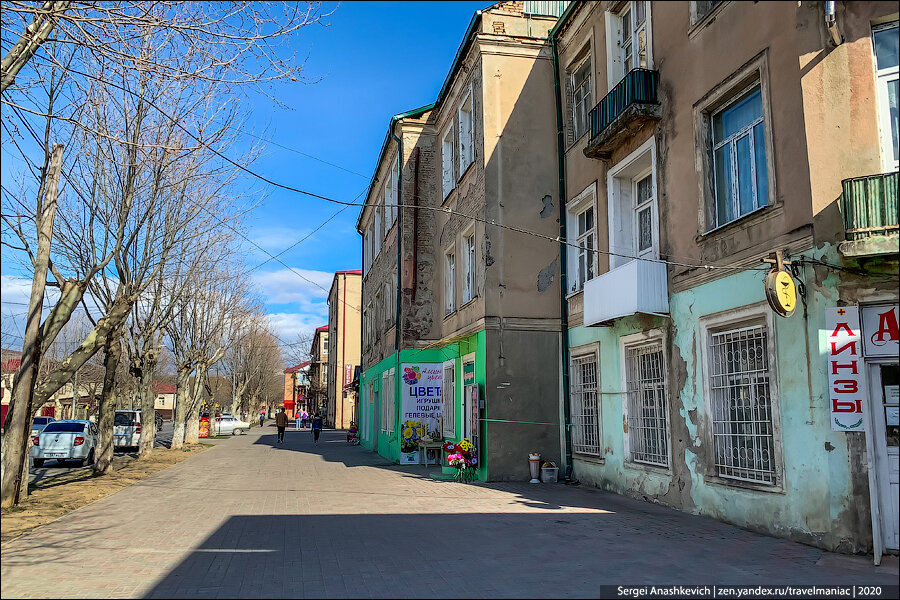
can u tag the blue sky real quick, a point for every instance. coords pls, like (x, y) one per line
(373, 60)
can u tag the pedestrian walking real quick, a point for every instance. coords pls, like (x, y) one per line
(262, 417)
(281, 422)
(316, 427)
(304, 416)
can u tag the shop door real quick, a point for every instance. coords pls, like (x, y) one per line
(885, 381)
(376, 421)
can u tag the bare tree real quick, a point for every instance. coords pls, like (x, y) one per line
(242, 42)
(197, 333)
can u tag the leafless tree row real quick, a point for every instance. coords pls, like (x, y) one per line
(121, 114)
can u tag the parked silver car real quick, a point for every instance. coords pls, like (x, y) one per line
(230, 424)
(65, 440)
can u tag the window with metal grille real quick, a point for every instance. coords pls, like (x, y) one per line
(585, 408)
(645, 387)
(741, 403)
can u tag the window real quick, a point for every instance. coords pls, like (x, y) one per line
(585, 246)
(633, 40)
(585, 406)
(447, 161)
(581, 226)
(466, 134)
(379, 231)
(388, 308)
(391, 196)
(885, 41)
(378, 317)
(469, 275)
(647, 405)
(701, 8)
(741, 403)
(387, 401)
(367, 260)
(449, 283)
(580, 84)
(740, 182)
(448, 401)
(633, 223)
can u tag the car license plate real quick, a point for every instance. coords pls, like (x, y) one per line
(55, 454)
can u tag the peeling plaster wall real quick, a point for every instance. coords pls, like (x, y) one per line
(824, 497)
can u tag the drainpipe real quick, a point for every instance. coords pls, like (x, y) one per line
(563, 277)
(831, 24)
(399, 193)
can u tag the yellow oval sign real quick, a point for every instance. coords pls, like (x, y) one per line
(781, 292)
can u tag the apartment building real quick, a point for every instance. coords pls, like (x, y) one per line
(700, 140)
(461, 319)
(344, 314)
(318, 373)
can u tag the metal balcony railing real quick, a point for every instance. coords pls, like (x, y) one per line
(637, 87)
(869, 206)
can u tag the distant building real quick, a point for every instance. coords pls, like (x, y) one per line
(344, 307)
(296, 388)
(318, 372)
(166, 396)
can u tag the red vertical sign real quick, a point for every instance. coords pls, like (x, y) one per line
(846, 369)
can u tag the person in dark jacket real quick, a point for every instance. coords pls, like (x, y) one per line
(316, 427)
(281, 421)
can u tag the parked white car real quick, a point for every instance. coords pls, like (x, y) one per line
(65, 440)
(230, 424)
(127, 429)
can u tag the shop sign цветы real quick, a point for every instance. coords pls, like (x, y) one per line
(846, 386)
(881, 331)
(420, 406)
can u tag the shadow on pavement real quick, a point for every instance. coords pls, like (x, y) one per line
(470, 555)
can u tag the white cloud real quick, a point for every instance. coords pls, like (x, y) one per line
(285, 286)
(289, 326)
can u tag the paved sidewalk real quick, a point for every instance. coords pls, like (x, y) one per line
(255, 519)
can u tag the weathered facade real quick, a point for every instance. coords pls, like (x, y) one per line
(713, 135)
(468, 294)
(344, 312)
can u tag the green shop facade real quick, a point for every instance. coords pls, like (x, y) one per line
(449, 381)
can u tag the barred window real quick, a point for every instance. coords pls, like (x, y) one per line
(645, 385)
(585, 408)
(741, 404)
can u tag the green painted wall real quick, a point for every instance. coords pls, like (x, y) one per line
(823, 496)
(389, 444)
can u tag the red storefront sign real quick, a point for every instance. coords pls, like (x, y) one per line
(846, 369)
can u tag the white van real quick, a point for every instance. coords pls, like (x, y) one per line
(127, 429)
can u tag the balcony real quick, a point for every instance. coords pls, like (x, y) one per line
(869, 208)
(624, 110)
(638, 286)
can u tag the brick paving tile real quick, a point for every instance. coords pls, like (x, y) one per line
(252, 519)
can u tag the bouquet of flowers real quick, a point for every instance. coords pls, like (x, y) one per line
(463, 458)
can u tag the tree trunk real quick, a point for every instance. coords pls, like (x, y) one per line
(192, 425)
(14, 460)
(147, 398)
(182, 406)
(95, 340)
(104, 456)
